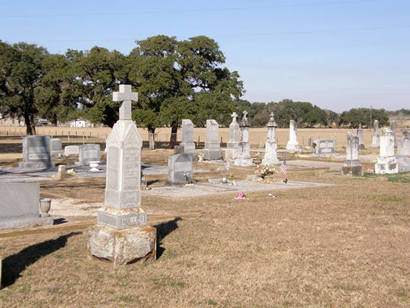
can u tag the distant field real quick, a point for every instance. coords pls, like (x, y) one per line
(257, 135)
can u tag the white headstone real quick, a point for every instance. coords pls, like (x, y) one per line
(188, 137)
(212, 150)
(88, 152)
(403, 152)
(123, 182)
(386, 162)
(122, 234)
(271, 155)
(71, 150)
(376, 135)
(360, 135)
(233, 151)
(244, 157)
(324, 147)
(292, 145)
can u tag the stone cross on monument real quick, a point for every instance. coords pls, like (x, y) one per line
(244, 121)
(126, 96)
(234, 115)
(122, 234)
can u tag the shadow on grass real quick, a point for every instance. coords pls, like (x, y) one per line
(13, 265)
(163, 229)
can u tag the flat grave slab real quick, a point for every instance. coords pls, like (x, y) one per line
(205, 189)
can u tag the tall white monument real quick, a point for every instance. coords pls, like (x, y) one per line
(292, 145)
(386, 162)
(122, 234)
(360, 134)
(376, 135)
(244, 157)
(271, 147)
(233, 150)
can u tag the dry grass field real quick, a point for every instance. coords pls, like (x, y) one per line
(340, 246)
(257, 135)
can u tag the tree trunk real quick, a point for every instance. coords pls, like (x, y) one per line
(151, 140)
(173, 138)
(30, 128)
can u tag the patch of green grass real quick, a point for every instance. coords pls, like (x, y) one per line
(399, 178)
(210, 302)
(58, 257)
(401, 293)
(392, 198)
(127, 299)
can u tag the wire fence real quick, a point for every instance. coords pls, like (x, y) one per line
(162, 136)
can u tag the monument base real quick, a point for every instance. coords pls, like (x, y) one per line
(386, 165)
(25, 222)
(243, 162)
(35, 165)
(352, 170)
(123, 246)
(121, 218)
(292, 147)
(212, 155)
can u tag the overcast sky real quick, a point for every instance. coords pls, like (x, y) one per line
(334, 54)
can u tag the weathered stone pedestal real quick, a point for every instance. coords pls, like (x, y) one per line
(244, 157)
(352, 170)
(125, 246)
(292, 146)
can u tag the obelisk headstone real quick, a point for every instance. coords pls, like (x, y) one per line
(212, 150)
(386, 162)
(188, 138)
(271, 147)
(121, 234)
(352, 165)
(360, 135)
(233, 151)
(292, 145)
(244, 157)
(376, 134)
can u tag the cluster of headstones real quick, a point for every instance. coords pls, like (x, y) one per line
(387, 162)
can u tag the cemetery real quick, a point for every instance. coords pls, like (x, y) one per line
(106, 228)
(144, 163)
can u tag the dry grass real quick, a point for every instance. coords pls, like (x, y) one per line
(257, 135)
(340, 246)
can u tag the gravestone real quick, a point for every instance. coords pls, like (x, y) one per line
(88, 152)
(376, 135)
(393, 127)
(36, 153)
(244, 157)
(56, 147)
(292, 145)
(19, 204)
(180, 168)
(360, 135)
(352, 165)
(271, 147)
(233, 150)
(386, 162)
(324, 147)
(212, 150)
(188, 138)
(71, 150)
(122, 234)
(403, 152)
